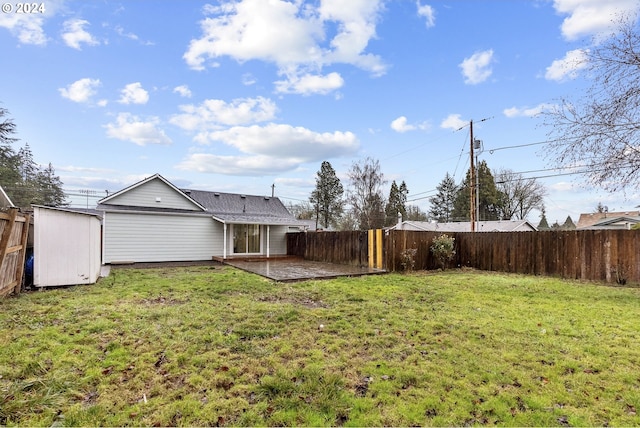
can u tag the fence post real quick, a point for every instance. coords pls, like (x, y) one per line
(23, 243)
(6, 234)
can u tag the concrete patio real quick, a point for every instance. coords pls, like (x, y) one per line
(295, 269)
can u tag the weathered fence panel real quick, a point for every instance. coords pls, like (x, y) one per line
(349, 247)
(599, 255)
(14, 230)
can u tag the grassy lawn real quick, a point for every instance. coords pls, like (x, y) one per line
(212, 346)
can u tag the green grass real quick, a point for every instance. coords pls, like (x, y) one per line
(205, 346)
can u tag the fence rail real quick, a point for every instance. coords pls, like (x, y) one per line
(14, 230)
(598, 255)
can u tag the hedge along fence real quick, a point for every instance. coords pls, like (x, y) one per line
(600, 255)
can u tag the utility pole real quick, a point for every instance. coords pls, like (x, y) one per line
(472, 184)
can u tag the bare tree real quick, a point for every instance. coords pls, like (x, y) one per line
(518, 195)
(365, 194)
(600, 131)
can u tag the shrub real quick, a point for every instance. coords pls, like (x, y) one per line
(408, 259)
(443, 250)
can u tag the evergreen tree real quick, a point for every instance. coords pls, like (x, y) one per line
(21, 177)
(414, 213)
(50, 188)
(442, 204)
(396, 203)
(568, 224)
(489, 196)
(544, 224)
(327, 196)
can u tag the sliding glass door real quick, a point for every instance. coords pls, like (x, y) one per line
(246, 238)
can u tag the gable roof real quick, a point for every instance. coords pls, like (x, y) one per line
(115, 195)
(622, 222)
(238, 208)
(589, 219)
(465, 226)
(227, 208)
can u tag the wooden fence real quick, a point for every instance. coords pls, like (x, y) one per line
(599, 255)
(348, 248)
(14, 231)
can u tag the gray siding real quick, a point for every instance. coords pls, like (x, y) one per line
(140, 237)
(146, 194)
(277, 240)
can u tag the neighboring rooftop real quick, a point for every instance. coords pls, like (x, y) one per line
(465, 226)
(589, 219)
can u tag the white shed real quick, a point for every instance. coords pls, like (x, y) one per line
(66, 247)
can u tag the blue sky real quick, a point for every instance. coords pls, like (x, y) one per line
(237, 96)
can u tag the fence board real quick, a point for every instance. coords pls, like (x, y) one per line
(599, 255)
(14, 229)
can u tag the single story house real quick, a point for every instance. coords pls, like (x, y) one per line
(465, 226)
(154, 221)
(624, 222)
(609, 220)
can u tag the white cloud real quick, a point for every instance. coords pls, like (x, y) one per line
(563, 186)
(248, 79)
(81, 90)
(74, 34)
(212, 114)
(592, 17)
(131, 128)
(401, 125)
(236, 165)
(454, 122)
(183, 90)
(428, 13)
(567, 67)
(310, 84)
(291, 35)
(526, 111)
(477, 68)
(27, 27)
(131, 36)
(133, 93)
(270, 149)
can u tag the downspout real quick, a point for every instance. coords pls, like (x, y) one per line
(224, 240)
(268, 240)
(104, 236)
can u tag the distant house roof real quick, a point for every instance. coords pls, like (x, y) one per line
(622, 222)
(465, 226)
(590, 219)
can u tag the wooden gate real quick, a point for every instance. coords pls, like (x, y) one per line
(14, 231)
